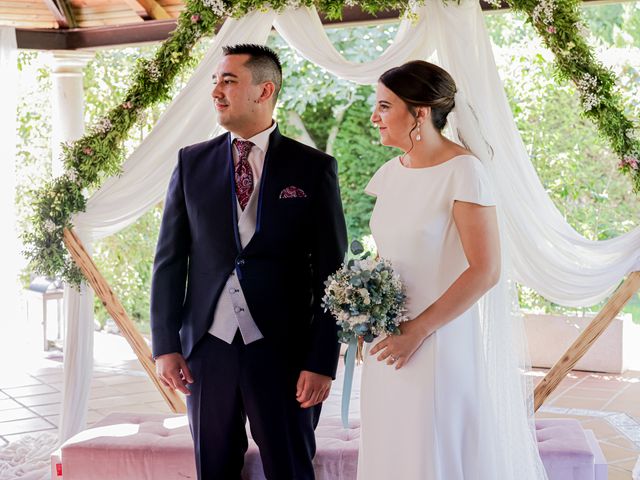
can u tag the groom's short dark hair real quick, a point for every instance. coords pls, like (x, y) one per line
(263, 62)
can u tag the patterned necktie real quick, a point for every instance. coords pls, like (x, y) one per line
(243, 173)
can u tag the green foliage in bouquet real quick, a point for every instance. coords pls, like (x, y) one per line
(366, 297)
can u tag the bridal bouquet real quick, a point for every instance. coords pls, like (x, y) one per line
(366, 297)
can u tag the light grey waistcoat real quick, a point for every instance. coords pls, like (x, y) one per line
(232, 311)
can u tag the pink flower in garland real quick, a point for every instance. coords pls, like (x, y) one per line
(195, 18)
(552, 30)
(128, 105)
(88, 151)
(631, 162)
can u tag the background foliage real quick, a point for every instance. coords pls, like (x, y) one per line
(575, 164)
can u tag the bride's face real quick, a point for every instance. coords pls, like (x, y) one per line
(393, 119)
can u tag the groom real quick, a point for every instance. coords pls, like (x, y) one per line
(252, 227)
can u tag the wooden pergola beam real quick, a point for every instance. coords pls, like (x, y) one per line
(159, 30)
(57, 13)
(67, 10)
(118, 313)
(584, 341)
(152, 8)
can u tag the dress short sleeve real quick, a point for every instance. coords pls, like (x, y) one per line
(472, 183)
(375, 185)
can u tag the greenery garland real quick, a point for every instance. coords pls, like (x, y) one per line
(98, 155)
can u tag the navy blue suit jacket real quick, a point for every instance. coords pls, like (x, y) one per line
(298, 243)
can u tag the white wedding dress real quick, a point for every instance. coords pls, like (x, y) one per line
(432, 419)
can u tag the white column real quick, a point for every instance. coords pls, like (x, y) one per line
(67, 101)
(9, 249)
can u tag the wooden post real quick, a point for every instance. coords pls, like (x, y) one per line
(590, 334)
(117, 311)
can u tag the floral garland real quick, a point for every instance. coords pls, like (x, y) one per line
(98, 155)
(559, 24)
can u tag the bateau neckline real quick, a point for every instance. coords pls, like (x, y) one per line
(399, 162)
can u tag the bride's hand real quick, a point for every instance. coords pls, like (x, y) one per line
(398, 349)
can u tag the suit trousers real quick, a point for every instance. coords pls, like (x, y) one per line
(255, 381)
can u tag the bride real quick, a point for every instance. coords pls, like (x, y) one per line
(426, 411)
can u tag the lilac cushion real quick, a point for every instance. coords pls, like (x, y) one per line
(564, 449)
(127, 446)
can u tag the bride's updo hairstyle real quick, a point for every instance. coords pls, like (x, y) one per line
(423, 84)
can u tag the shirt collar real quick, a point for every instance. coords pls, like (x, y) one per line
(260, 140)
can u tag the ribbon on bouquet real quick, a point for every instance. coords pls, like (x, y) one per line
(349, 367)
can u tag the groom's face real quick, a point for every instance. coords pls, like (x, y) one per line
(234, 94)
(393, 118)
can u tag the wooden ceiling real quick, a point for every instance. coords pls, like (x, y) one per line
(75, 24)
(85, 13)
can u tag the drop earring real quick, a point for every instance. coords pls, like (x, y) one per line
(418, 137)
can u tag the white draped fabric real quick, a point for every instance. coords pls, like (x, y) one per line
(545, 252)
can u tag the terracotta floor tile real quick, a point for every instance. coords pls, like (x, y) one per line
(93, 416)
(159, 407)
(53, 408)
(16, 414)
(625, 464)
(119, 379)
(21, 426)
(46, 371)
(109, 402)
(104, 391)
(622, 441)
(21, 380)
(615, 474)
(55, 419)
(602, 385)
(56, 385)
(141, 387)
(579, 402)
(601, 428)
(45, 399)
(614, 453)
(145, 397)
(600, 394)
(51, 378)
(17, 392)
(616, 405)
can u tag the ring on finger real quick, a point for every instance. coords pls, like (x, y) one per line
(393, 358)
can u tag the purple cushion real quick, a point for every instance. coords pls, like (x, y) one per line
(564, 449)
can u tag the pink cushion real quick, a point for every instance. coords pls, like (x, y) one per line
(565, 451)
(127, 446)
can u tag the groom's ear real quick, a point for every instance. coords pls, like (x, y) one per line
(268, 90)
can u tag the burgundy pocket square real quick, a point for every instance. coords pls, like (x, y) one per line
(293, 192)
